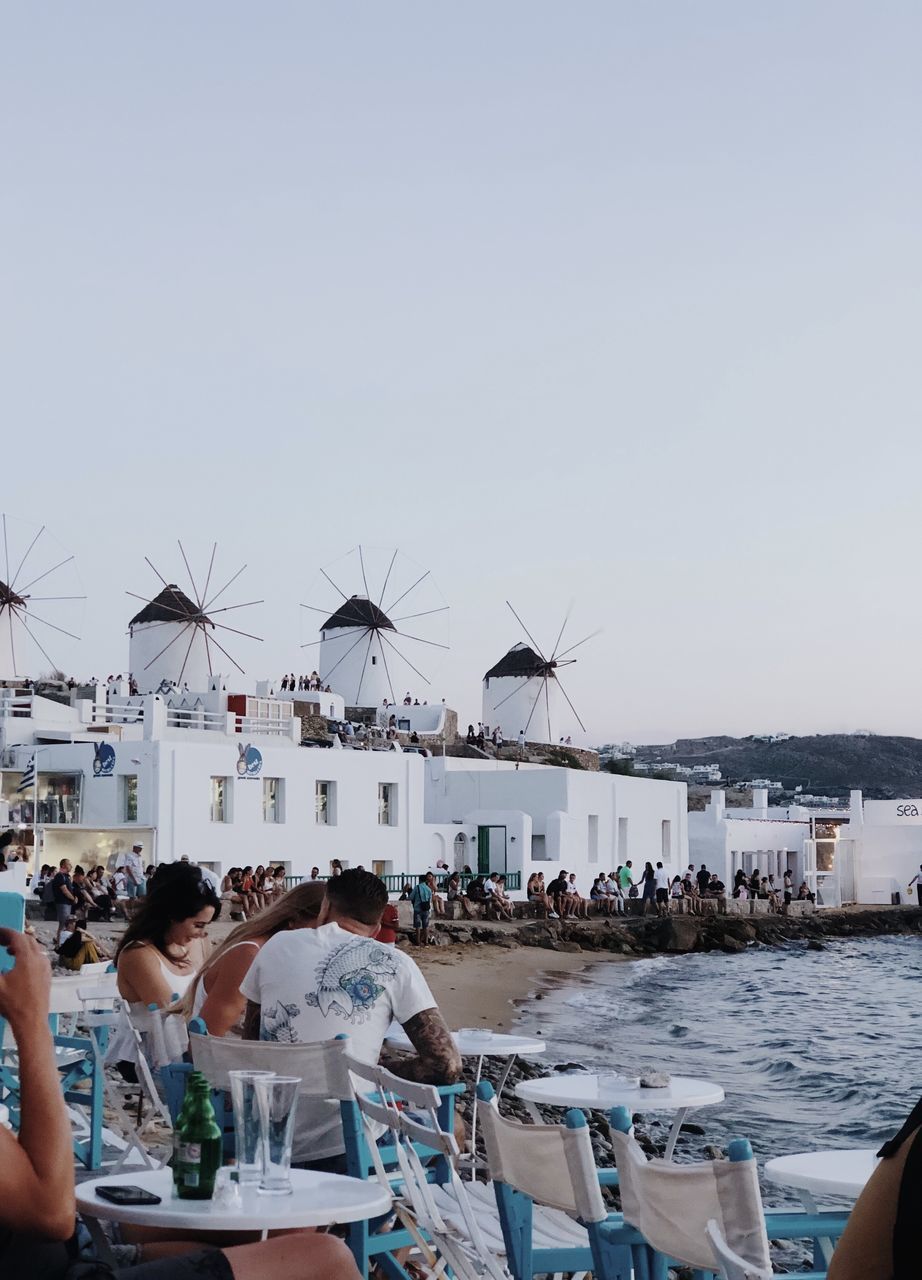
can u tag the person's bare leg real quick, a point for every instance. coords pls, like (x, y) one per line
(291, 1258)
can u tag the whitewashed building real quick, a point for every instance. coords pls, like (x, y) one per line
(772, 840)
(223, 777)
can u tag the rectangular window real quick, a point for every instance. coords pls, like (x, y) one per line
(622, 840)
(220, 800)
(273, 794)
(325, 803)
(58, 798)
(129, 786)
(667, 839)
(387, 804)
(593, 837)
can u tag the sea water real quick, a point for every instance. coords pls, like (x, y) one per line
(814, 1048)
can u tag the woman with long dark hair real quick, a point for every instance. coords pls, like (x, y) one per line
(164, 946)
(649, 887)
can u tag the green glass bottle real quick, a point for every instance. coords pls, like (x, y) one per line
(197, 1143)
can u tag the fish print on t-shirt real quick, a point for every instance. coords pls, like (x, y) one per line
(352, 978)
(276, 1023)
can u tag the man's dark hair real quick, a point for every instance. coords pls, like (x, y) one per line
(359, 895)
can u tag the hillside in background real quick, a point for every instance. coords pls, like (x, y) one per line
(883, 767)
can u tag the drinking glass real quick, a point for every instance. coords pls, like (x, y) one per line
(246, 1123)
(277, 1098)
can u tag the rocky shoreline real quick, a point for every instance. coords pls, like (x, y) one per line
(678, 935)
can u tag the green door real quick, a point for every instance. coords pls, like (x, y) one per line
(483, 851)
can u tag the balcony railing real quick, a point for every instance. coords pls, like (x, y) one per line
(117, 713)
(19, 705)
(394, 884)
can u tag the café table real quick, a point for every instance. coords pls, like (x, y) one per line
(602, 1091)
(842, 1174)
(472, 1042)
(317, 1200)
(838, 1174)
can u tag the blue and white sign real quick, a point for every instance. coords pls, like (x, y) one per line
(249, 761)
(103, 760)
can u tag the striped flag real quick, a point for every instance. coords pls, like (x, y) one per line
(28, 777)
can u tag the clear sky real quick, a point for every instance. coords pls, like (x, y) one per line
(604, 302)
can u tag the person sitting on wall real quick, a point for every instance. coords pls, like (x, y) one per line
(557, 892)
(692, 895)
(804, 894)
(501, 903)
(598, 895)
(536, 892)
(454, 893)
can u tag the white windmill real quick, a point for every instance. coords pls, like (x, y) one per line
(173, 638)
(23, 630)
(523, 691)
(363, 650)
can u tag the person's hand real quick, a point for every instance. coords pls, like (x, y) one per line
(25, 989)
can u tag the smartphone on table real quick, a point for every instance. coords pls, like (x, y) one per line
(127, 1195)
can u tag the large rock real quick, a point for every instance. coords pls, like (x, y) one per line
(679, 934)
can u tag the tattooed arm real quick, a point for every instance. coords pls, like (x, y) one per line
(437, 1060)
(251, 1021)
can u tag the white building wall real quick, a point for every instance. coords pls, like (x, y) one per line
(577, 813)
(725, 840)
(888, 848)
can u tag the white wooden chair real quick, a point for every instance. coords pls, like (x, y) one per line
(321, 1066)
(732, 1266)
(440, 1219)
(461, 1218)
(101, 1013)
(709, 1215)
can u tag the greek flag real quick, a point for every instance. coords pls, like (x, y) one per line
(28, 777)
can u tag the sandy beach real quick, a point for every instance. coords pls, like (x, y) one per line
(477, 986)
(474, 985)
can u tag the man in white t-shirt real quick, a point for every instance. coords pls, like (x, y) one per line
(309, 985)
(134, 871)
(207, 874)
(661, 881)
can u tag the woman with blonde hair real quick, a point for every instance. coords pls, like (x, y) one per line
(215, 996)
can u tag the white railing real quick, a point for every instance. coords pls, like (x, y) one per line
(117, 713)
(17, 705)
(189, 718)
(264, 725)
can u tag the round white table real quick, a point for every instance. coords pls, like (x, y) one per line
(600, 1092)
(824, 1173)
(474, 1043)
(317, 1200)
(842, 1174)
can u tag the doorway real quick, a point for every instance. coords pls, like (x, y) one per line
(491, 850)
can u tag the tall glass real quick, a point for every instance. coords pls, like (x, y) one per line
(246, 1123)
(277, 1098)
